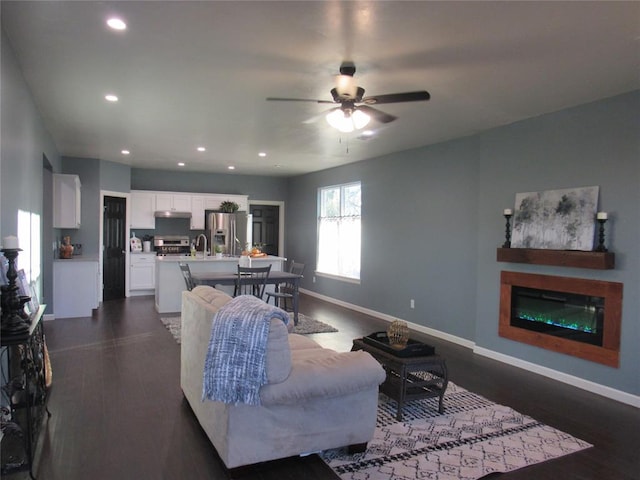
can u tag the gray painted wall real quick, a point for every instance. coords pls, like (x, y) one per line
(594, 144)
(115, 177)
(418, 234)
(432, 219)
(24, 141)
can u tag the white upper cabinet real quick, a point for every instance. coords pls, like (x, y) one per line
(66, 201)
(173, 202)
(197, 212)
(143, 204)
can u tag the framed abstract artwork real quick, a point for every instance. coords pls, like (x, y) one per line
(556, 219)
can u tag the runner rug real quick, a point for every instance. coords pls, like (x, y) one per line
(473, 438)
(306, 325)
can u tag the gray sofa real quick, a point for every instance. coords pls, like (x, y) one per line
(315, 398)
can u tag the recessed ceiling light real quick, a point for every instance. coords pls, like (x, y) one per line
(231, 167)
(181, 164)
(116, 24)
(262, 154)
(125, 152)
(111, 98)
(202, 149)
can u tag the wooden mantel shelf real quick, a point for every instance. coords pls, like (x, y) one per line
(560, 258)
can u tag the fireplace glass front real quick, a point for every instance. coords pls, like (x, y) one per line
(567, 315)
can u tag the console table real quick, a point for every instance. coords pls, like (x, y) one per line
(24, 395)
(409, 378)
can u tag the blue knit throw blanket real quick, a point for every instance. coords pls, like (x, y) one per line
(235, 365)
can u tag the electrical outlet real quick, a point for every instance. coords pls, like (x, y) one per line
(412, 303)
(314, 279)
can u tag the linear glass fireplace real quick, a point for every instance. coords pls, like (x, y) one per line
(575, 316)
(565, 315)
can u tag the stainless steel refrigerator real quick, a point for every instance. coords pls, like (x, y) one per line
(230, 231)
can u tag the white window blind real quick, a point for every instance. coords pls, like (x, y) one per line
(339, 230)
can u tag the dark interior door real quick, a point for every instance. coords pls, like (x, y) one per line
(113, 267)
(266, 227)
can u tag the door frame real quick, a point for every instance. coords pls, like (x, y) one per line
(279, 204)
(126, 196)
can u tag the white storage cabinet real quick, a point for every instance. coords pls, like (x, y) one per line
(66, 201)
(75, 287)
(173, 202)
(143, 205)
(142, 273)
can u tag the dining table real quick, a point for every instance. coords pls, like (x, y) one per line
(231, 278)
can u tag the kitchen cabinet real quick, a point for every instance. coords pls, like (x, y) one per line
(142, 272)
(202, 203)
(66, 201)
(75, 287)
(197, 212)
(143, 204)
(173, 202)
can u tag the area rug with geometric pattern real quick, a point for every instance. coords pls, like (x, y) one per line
(306, 325)
(472, 438)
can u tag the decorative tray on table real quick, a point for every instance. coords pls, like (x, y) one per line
(413, 348)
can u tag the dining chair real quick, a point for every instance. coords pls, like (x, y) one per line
(285, 291)
(251, 281)
(186, 273)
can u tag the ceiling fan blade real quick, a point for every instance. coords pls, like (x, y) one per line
(277, 99)
(378, 115)
(397, 97)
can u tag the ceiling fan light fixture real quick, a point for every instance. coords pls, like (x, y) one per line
(347, 121)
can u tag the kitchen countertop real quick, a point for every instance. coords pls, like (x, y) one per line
(210, 258)
(170, 283)
(78, 258)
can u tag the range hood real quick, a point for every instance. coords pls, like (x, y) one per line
(171, 214)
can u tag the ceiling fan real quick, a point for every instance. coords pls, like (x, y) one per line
(355, 110)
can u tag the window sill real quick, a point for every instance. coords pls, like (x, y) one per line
(355, 281)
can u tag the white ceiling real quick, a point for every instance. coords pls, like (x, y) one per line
(194, 74)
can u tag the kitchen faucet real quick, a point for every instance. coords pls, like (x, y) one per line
(204, 250)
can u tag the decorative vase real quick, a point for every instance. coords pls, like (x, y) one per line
(398, 334)
(66, 249)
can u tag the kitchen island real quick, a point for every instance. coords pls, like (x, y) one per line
(170, 283)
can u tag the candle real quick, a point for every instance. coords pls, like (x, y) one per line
(602, 215)
(10, 242)
(508, 211)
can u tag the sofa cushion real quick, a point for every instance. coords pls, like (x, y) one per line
(278, 353)
(216, 298)
(300, 342)
(320, 372)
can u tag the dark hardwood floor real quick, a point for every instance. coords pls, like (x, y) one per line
(118, 411)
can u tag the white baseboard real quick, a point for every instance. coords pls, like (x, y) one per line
(581, 383)
(389, 318)
(47, 317)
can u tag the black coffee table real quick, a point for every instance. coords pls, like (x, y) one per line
(409, 378)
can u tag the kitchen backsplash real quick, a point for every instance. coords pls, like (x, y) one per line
(169, 226)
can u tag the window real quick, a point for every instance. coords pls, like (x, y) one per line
(339, 231)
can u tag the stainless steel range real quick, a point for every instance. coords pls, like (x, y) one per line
(171, 244)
